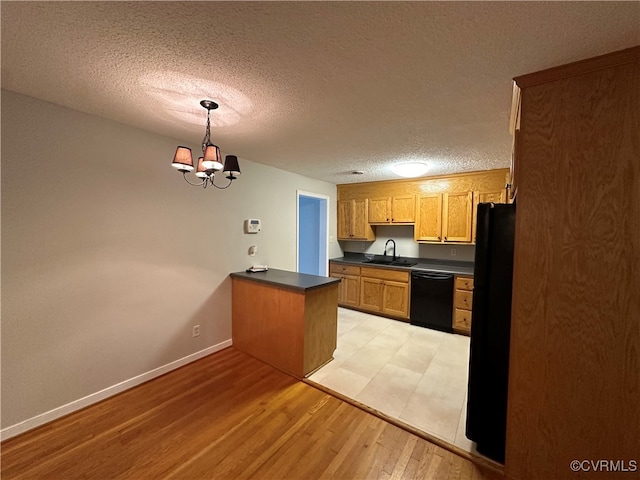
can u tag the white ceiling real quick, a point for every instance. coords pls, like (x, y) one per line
(316, 88)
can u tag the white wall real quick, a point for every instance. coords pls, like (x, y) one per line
(406, 246)
(109, 258)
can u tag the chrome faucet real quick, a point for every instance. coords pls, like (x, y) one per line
(393, 258)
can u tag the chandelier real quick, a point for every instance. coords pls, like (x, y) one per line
(211, 160)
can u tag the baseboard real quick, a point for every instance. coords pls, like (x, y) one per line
(71, 407)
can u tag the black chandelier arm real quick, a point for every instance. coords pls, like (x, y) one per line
(207, 181)
(201, 184)
(212, 177)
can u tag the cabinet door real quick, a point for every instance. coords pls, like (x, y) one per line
(351, 290)
(345, 215)
(429, 225)
(456, 225)
(403, 209)
(462, 320)
(371, 293)
(396, 298)
(379, 210)
(340, 287)
(496, 196)
(360, 227)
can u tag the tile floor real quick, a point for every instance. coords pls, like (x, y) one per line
(413, 374)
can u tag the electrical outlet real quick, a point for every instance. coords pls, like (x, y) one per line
(196, 331)
(453, 252)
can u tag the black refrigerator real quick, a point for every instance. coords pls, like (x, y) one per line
(490, 329)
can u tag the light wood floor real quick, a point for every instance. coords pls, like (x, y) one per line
(227, 416)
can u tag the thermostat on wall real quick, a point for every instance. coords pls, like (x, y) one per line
(252, 225)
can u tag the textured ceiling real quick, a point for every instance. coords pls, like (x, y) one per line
(317, 88)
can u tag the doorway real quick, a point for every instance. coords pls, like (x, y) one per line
(313, 229)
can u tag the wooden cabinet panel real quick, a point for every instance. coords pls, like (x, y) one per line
(497, 196)
(464, 283)
(396, 298)
(403, 209)
(429, 225)
(386, 274)
(380, 290)
(444, 218)
(345, 216)
(371, 293)
(361, 228)
(575, 332)
(343, 269)
(456, 223)
(462, 304)
(392, 209)
(463, 299)
(350, 290)
(386, 291)
(462, 320)
(353, 223)
(380, 210)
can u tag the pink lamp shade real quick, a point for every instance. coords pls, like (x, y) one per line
(182, 160)
(201, 172)
(212, 158)
(231, 167)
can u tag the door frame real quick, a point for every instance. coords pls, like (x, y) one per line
(325, 239)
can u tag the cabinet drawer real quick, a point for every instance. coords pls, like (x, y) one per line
(343, 269)
(462, 319)
(464, 283)
(385, 274)
(464, 299)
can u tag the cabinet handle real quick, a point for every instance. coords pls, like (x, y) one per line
(445, 238)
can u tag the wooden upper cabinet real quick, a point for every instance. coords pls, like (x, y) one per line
(456, 217)
(429, 225)
(438, 207)
(444, 217)
(380, 210)
(401, 209)
(345, 215)
(497, 196)
(361, 229)
(353, 221)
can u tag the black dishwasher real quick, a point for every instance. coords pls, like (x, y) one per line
(432, 300)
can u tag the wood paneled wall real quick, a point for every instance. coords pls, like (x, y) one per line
(574, 384)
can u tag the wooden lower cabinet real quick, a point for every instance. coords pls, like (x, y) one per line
(462, 304)
(385, 291)
(379, 290)
(349, 288)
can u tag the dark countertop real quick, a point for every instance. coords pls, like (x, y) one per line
(286, 279)
(446, 266)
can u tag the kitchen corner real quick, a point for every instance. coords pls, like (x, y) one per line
(405, 288)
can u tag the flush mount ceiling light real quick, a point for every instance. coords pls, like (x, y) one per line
(211, 160)
(410, 169)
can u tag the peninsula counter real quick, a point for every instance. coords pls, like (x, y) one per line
(286, 319)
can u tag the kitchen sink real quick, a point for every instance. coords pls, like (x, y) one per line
(395, 263)
(379, 262)
(403, 263)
